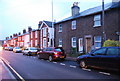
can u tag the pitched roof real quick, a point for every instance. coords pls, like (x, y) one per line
(49, 23)
(92, 11)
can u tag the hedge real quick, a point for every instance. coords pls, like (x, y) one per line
(109, 43)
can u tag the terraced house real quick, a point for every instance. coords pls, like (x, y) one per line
(84, 31)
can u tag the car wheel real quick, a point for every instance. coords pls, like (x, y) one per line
(83, 64)
(50, 58)
(23, 53)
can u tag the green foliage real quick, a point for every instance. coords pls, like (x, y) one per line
(109, 43)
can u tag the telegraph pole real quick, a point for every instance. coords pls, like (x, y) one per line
(103, 23)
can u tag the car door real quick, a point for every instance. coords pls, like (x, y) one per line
(94, 58)
(112, 58)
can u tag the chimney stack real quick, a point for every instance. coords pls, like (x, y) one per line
(29, 29)
(24, 31)
(19, 33)
(75, 9)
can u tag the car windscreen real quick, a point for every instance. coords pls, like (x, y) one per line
(58, 49)
(17, 48)
(33, 48)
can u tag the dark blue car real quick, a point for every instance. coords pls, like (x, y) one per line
(105, 58)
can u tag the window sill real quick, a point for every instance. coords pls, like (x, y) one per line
(59, 31)
(96, 26)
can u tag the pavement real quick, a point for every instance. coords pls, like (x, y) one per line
(71, 58)
(5, 73)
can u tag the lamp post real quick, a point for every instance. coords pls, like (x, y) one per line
(103, 25)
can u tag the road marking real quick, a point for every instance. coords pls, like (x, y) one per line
(86, 69)
(48, 61)
(62, 64)
(72, 66)
(55, 62)
(34, 57)
(7, 70)
(13, 70)
(104, 73)
(5, 60)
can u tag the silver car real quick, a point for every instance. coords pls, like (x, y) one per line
(30, 51)
(17, 49)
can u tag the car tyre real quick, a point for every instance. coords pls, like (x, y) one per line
(83, 64)
(50, 58)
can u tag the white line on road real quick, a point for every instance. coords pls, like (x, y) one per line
(55, 62)
(72, 66)
(104, 73)
(13, 70)
(62, 64)
(86, 69)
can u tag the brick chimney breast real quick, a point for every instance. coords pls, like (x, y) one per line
(75, 9)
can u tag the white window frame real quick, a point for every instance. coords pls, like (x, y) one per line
(36, 43)
(81, 45)
(97, 41)
(31, 43)
(44, 42)
(36, 34)
(73, 24)
(31, 35)
(97, 20)
(119, 37)
(74, 41)
(60, 42)
(60, 28)
(44, 32)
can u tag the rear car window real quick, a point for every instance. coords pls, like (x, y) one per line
(58, 49)
(113, 51)
(33, 49)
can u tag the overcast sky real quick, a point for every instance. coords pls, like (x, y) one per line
(16, 15)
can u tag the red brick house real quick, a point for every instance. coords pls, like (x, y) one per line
(84, 31)
(45, 34)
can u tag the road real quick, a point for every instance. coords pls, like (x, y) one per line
(30, 67)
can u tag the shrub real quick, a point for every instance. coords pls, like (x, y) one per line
(109, 43)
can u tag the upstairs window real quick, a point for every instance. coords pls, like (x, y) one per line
(44, 32)
(97, 20)
(36, 34)
(73, 41)
(60, 28)
(73, 24)
(31, 35)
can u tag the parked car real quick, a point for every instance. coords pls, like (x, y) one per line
(10, 48)
(104, 58)
(6, 48)
(52, 53)
(17, 49)
(30, 51)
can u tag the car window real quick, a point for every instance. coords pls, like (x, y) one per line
(58, 49)
(113, 51)
(100, 51)
(49, 49)
(33, 48)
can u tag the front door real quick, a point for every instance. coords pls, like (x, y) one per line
(88, 44)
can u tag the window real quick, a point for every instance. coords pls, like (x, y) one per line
(113, 51)
(100, 51)
(60, 28)
(44, 32)
(31, 43)
(36, 34)
(74, 42)
(97, 20)
(119, 37)
(97, 42)
(44, 42)
(35, 42)
(73, 24)
(81, 45)
(60, 43)
(31, 35)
